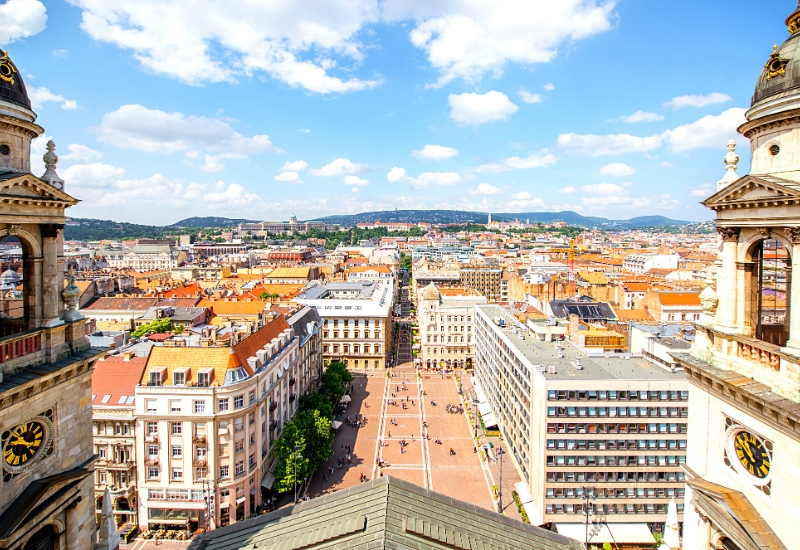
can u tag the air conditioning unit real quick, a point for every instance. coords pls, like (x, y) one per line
(551, 369)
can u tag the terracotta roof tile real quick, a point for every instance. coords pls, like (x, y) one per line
(116, 377)
(679, 298)
(124, 304)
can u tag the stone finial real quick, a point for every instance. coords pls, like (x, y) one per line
(709, 301)
(71, 295)
(731, 161)
(671, 538)
(50, 162)
(108, 539)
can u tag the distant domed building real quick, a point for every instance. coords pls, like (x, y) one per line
(743, 454)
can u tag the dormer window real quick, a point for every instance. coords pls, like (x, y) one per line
(179, 377)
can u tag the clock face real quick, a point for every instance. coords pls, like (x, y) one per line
(752, 454)
(24, 444)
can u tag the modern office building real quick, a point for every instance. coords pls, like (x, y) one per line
(612, 422)
(357, 321)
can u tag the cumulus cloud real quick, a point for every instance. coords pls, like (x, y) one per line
(435, 152)
(61, 52)
(474, 108)
(617, 169)
(541, 159)
(21, 19)
(137, 127)
(294, 166)
(666, 164)
(486, 189)
(467, 40)
(290, 172)
(604, 189)
(615, 144)
(569, 190)
(709, 131)
(355, 180)
(549, 86)
(213, 163)
(640, 116)
(196, 42)
(339, 168)
(40, 96)
(289, 177)
(528, 97)
(704, 191)
(81, 153)
(399, 175)
(697, 100)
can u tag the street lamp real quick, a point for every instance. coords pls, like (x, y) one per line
(589, 494)
(500, 452)
(297, 455)
(475, 419)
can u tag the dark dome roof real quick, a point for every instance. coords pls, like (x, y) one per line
(12, 88)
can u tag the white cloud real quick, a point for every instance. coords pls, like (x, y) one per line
(616, 144)
(528, 97)
(213, 163)
(399, 175)
(155, 131)
(304, 131)
(522, 195)
(617, 202)
(355, 180)
(640, 116)
(704, 191)
(697, 100)
(338, 168)
(61, 52)
(486, 189)
(474, 108)
(40, 96)
(289, 177)
(295, 166)
(604, 189)
(541, 159)
(21, 19)
(569, 190)
(95, 174)
(471, 38)
(435, 152)
(666, 164)
(549, 86)
(81, 153)
(617, 169)
(709, 131)
(195, 41)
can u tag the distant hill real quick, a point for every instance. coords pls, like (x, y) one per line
(210, 221)
(461, 216)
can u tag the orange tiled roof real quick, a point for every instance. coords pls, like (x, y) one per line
(458, 292)
(116, 377)
(223, 308)
(636, 287)
(633, 315)
(365, 268)
(679, 298)
(124, 304)
(256, 341)
(184, 291)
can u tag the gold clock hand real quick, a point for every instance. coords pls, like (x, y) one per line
(22, 442)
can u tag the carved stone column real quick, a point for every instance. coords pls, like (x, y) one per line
(793, 302)
(727, 279)
(52, 280)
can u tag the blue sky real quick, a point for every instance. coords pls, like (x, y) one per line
(316, 107)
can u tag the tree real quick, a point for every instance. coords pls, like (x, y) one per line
(159, 326)
(405, 261)
(334, 381)
(316, 402)
(316, 430)
(285, 451)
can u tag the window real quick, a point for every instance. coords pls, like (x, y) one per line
(177, 451)
(199, 407)
(252, 396)
(152, 428)
(176, 428)
(252, 460)
(150, 405)
(152, 472)
(204, 379)
(175, 406)
(239, 446)
(179, 378)
(223, 473)
(177, 474)
(224, 493)
(200, 453)
(240, 467)
(152, 451)
(200, 473)
(101, 451)
(155, 378)
(238, 402)
(238, 424)
(223, 404)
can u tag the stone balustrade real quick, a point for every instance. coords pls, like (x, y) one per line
(17, 348)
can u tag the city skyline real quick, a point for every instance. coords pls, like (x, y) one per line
(366, 106)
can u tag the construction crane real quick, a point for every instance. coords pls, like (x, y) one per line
(572, 274)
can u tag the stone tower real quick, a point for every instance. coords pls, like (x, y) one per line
(46, 484)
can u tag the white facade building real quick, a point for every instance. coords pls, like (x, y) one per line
(642, 263)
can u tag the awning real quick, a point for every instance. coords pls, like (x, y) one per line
(269, 477)
(523, 493)
(345, 399)
(484, 409)
(240, 500)
(489, 420)
(335, 425)
(478, 390)
(615, 533)
(224, 505)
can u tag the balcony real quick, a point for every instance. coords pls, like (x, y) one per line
(273, 425)
(273, 406)
(292, 398)
(151, 438)
(199, 439)
(115, 465)
(292, 381)
(200, 463)
(151, 461)
(20, 348)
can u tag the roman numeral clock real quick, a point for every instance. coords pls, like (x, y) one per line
(26, 444)
(749, 454)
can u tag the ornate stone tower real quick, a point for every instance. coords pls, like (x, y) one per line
(46, 485)
(743, 454)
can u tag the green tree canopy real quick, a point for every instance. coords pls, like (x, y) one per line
(316, 402)
(158, 326)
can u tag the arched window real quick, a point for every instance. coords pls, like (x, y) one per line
(12, 281)
(44, 539)
(769, 296)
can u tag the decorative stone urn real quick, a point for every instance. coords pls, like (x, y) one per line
(71, 295)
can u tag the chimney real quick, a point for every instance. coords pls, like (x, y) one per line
(128, 355)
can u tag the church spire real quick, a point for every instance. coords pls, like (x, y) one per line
(793, 21)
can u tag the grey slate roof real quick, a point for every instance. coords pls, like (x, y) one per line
(383, 513)
(303, 321)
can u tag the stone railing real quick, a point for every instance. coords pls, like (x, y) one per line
(20, 346)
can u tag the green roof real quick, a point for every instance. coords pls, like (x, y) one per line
(383, 513)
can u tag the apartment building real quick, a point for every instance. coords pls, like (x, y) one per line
(307, 327)
(114, 382)
(446, 326)
(209, 417)
(486, 279)
(357, 321)
(642, 263)
(614, 423)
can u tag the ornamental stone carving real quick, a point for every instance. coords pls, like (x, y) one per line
(709, 301)
(764, 232)
(793, 233)
(731, 161)
(729, 234)
(71, 295)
